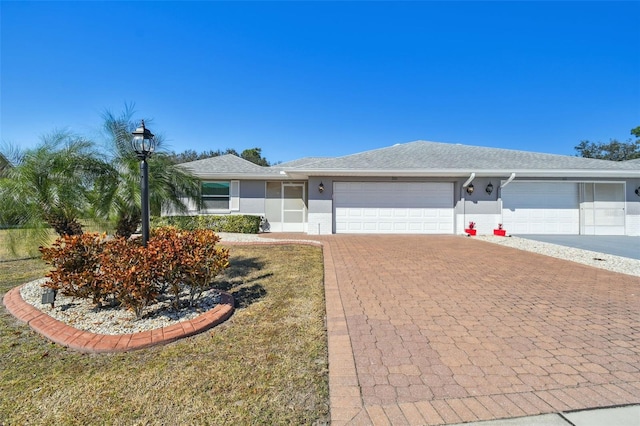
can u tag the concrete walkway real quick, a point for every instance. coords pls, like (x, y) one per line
(447, 329)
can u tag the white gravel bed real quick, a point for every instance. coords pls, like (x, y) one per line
(606, 261)
(82, 314)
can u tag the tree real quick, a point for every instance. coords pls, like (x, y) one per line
(51, 184)
(191, 155)
(255, 156)
(168, 184)
(613, 150)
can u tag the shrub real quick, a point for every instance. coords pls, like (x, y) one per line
(200, 264)
(174, 261)
(245, 224)
(77, 259)
(133, 270)
(169, 245)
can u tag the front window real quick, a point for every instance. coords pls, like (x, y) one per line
(215, 195)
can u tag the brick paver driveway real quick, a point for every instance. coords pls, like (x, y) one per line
(446, 329)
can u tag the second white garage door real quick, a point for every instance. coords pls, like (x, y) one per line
(393, 207)
(541, 208)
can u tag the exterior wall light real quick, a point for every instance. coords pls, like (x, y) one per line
(470, 189)
(489, 188)
(143, 144)
(321, 188)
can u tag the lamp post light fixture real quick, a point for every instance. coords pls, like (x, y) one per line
(143, 143)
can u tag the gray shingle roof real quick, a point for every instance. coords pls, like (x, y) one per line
(436, 156)
(227, 165)
(419, 158)
(300, 162)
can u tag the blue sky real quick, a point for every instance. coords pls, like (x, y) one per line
(325, 78)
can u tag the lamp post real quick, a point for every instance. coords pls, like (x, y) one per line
(143, 143)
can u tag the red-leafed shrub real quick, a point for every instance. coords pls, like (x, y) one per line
(76, 259)
(202, 261)
(124, 272)
(133, 271)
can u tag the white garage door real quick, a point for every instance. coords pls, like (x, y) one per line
(393, 207)
(541, 208)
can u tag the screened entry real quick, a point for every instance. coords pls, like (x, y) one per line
(602, 209)
(286, 206)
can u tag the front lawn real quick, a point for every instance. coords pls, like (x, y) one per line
(266, 365)
(23, 245)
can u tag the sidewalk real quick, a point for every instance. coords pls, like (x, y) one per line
(618, 416)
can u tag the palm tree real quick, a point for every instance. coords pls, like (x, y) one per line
(168, 185)
(4, 164)
(50, 185)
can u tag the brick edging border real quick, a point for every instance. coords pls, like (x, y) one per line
(87, 342)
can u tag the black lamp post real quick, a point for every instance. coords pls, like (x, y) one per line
(143, 144)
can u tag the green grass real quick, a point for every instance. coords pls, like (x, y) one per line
(266, 365)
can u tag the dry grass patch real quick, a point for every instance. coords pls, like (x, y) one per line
(24, 246)
(266, 365)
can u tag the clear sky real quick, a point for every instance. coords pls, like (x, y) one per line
(325, 78)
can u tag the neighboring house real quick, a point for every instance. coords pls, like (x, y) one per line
(428, 188)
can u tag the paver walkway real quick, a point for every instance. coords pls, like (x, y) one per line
(448, 329)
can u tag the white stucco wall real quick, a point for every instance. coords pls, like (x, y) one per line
(320, 223)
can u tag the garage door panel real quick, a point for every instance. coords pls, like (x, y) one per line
(541, 208)
(415, 227)
(393, 207)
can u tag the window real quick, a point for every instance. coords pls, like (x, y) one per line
(222, 195)
(215, 195)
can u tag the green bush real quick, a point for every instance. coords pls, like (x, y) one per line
(243, 224)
